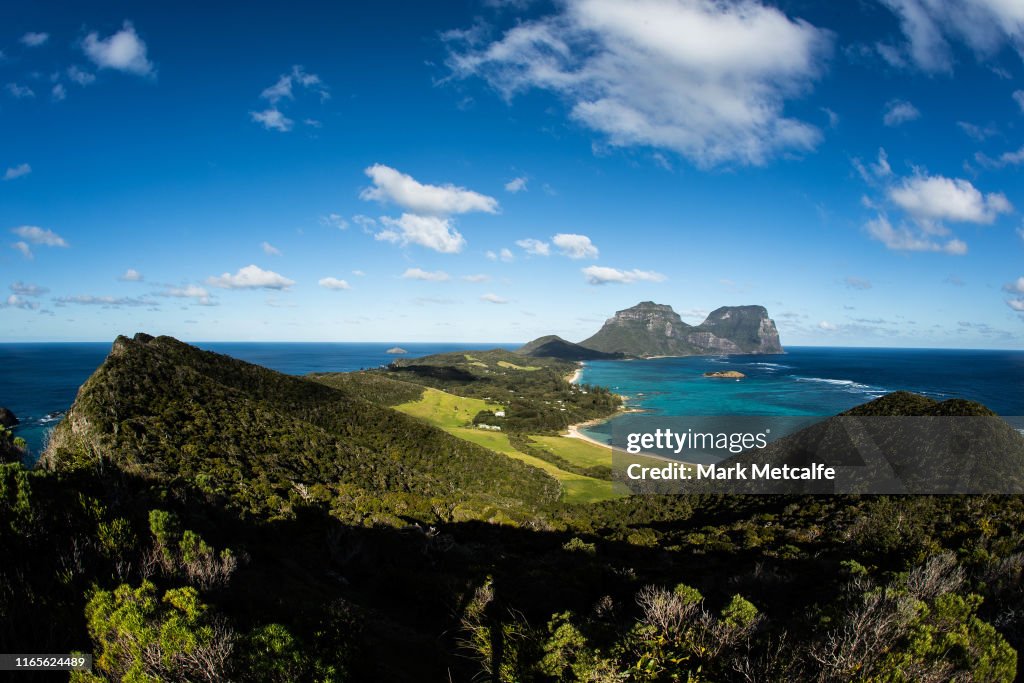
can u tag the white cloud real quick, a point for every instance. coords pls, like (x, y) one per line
(504, 255)
(1018, 97)
(426, 275)
(433, 200)
(600, 275)
(32, 39)
(26, 289)
(936, 198)
(251, 277)
(706, 79)
(929, 26)
(833, 118)
(17, 171)
(358, 273)
(131, 275)
(20, 92)
(1016, 304)
(333, 283)
(79, 76)
(1016, 287)
(270, 250)
(196, 292)
(1005, 159)
(36, 235)
(493, 299)
(575, 246)
(432, 232)
(105, 301)
(898, 112)
(272, 119)
(25, 250)
(535, 247)
(283, 88)
(827, 326)
(903, 238)
(123, 51)
(336, 220)
(976, 132)
(516, 185)
(364, 222)
(15, 301)
(59, 93)
(476, 278)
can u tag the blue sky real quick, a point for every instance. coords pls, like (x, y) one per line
(498, 170)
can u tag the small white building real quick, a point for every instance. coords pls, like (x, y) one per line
(499, 413)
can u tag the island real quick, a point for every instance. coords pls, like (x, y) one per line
(726, 374)
(651, 330)
(396, 350)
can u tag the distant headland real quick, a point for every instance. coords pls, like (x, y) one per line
(649, 330)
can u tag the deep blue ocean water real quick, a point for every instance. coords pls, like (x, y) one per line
(39, 379)
(810, 381)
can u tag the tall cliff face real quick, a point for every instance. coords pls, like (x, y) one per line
(650, 329)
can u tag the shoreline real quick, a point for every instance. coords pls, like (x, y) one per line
(574, 377)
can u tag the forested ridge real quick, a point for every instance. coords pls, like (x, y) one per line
(200, 518)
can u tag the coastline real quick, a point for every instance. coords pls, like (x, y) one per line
(574, 377)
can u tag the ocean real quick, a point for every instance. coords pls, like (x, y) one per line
(39, 381)
(813, 381)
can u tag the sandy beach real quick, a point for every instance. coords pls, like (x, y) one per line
(575, 376)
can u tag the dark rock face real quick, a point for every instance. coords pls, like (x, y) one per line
(7, 418)
(650, 329)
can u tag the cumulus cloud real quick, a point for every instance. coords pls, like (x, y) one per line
(390, 185)
(930, 26)
(36, 235)
(516, 185)
(284, 87)
(975, 132)
(131, 275)
(122, 51)
(33, 234)
(936, 198)
(534, 247)
(196, 292)
(333, 283)
(902, 238)
(600, 275)
(270, 250)
(575, 246)
(432, 232)
(79, 76)
(898, 112)
(336, 220)
(827, 326)
(426, 275)
(493, 299)
(708, 80)
(27, 289)
(33, 39)
(58, 92)
(1014, 158)
(20, 92)
(272, 119)
(250, 277)
(476, 278)
(504, 255)
(15, 301)
(17, 171)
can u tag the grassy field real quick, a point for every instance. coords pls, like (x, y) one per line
(454, 414)
(576, 451)
(513, 366)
